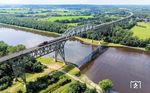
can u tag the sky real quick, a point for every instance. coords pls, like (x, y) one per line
(97, 2)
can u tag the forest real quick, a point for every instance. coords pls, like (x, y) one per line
(33, 23)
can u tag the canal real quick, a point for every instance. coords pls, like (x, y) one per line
(121, 65)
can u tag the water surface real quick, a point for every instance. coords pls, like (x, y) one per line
(121, 65)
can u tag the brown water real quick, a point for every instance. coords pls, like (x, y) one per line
(121, 65)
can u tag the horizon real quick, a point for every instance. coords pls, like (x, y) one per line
(75, 2)
(85, 4)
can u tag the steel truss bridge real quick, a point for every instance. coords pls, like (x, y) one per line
(18, 59)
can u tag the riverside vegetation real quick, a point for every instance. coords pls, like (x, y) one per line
(43, 79)
(121, 35)
(6, 71)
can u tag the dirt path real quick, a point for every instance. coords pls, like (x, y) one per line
(84, 80)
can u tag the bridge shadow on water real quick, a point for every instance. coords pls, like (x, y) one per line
(92, 56)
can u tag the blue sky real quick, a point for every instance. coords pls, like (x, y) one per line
(99, 2)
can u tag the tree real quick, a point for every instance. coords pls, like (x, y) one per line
(148, 47)
(3, 48)
(77, 87)
(11, 49)
(106, 84)
(20, 47)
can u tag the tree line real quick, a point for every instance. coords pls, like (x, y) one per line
(55, 79)
(120, 35)
(97, 19)
(33, 23)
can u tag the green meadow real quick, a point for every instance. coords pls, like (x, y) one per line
(52, 19)
(142, 30)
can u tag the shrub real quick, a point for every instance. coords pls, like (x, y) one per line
(77, 87)
(148, 47)
(106, 84)
(45, 81)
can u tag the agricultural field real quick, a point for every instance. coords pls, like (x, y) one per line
(142, 30)
(52, 19)
(13, 11)
(65, 12)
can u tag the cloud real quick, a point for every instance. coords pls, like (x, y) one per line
(10, 1)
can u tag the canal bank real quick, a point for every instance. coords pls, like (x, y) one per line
(97, 43)
(54, 34)
(36, 31)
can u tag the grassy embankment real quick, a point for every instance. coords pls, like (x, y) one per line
(142, 30)
(36, 31)
(51, 66)
(96, 42)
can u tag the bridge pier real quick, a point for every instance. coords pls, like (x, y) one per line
(59, 50)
